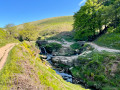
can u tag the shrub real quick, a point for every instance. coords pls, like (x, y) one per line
(96, 68)
(117, 30)
(52, 46)
(75, 46)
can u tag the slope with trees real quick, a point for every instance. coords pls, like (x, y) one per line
(95, 17)
(6, 38)
(46, 28)
(99, 21)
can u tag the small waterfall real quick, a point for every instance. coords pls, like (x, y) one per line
(40, 51)
(45, 51)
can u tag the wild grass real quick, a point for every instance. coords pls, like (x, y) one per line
(51, 27)
(5, 38)
(54, 20)
(111, 40)
(99, 69)
(11, 67)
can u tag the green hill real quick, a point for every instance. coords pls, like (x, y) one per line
(54, 20)
(51, 27)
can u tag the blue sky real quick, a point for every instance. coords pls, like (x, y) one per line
(21, 11)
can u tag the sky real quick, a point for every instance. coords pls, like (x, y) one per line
(22, 11)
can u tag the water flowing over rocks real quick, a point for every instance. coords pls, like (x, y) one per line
(64, 59)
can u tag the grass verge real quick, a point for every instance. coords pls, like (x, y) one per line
(111, 40)
(25, 70)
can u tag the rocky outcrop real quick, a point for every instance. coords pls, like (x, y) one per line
(64, 51)
(69, 60)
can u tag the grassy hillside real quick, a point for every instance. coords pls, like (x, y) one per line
(99, 69)
(5, 38)
(52, 26)
(25, 70)
(111, 40)
(53, 20)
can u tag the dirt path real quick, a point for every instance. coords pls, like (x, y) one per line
(4, 51)
(99, 48)
(64, 43)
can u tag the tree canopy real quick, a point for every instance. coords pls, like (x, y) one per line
(95, 17)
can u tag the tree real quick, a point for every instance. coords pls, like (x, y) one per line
(9, 28)
(28, 32)
(86, 21)
(12, 30)
(90, 19)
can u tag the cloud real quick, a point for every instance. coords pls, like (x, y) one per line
(83, 1)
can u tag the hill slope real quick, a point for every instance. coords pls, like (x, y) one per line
(25, 70)
(111, 40)
(52, 26)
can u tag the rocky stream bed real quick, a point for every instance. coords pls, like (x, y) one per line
(67, 58)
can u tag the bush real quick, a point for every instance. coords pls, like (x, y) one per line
(75, 46)
(52, 46)
(118, 29)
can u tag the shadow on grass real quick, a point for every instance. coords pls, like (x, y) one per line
(67, 35)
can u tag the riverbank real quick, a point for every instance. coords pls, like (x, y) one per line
(94, 68)
(60, 63)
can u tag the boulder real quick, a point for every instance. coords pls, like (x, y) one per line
(43, 56)
(64, 51)
(64, 60)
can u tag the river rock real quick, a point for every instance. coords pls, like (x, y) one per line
(69, 60)
(43, 56)
(64, 51)
(64, 60)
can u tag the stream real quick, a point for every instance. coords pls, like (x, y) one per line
(66, 75)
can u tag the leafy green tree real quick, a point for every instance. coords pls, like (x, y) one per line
(12, 30)
(28, 32)
(9, 28)
(93, 16)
